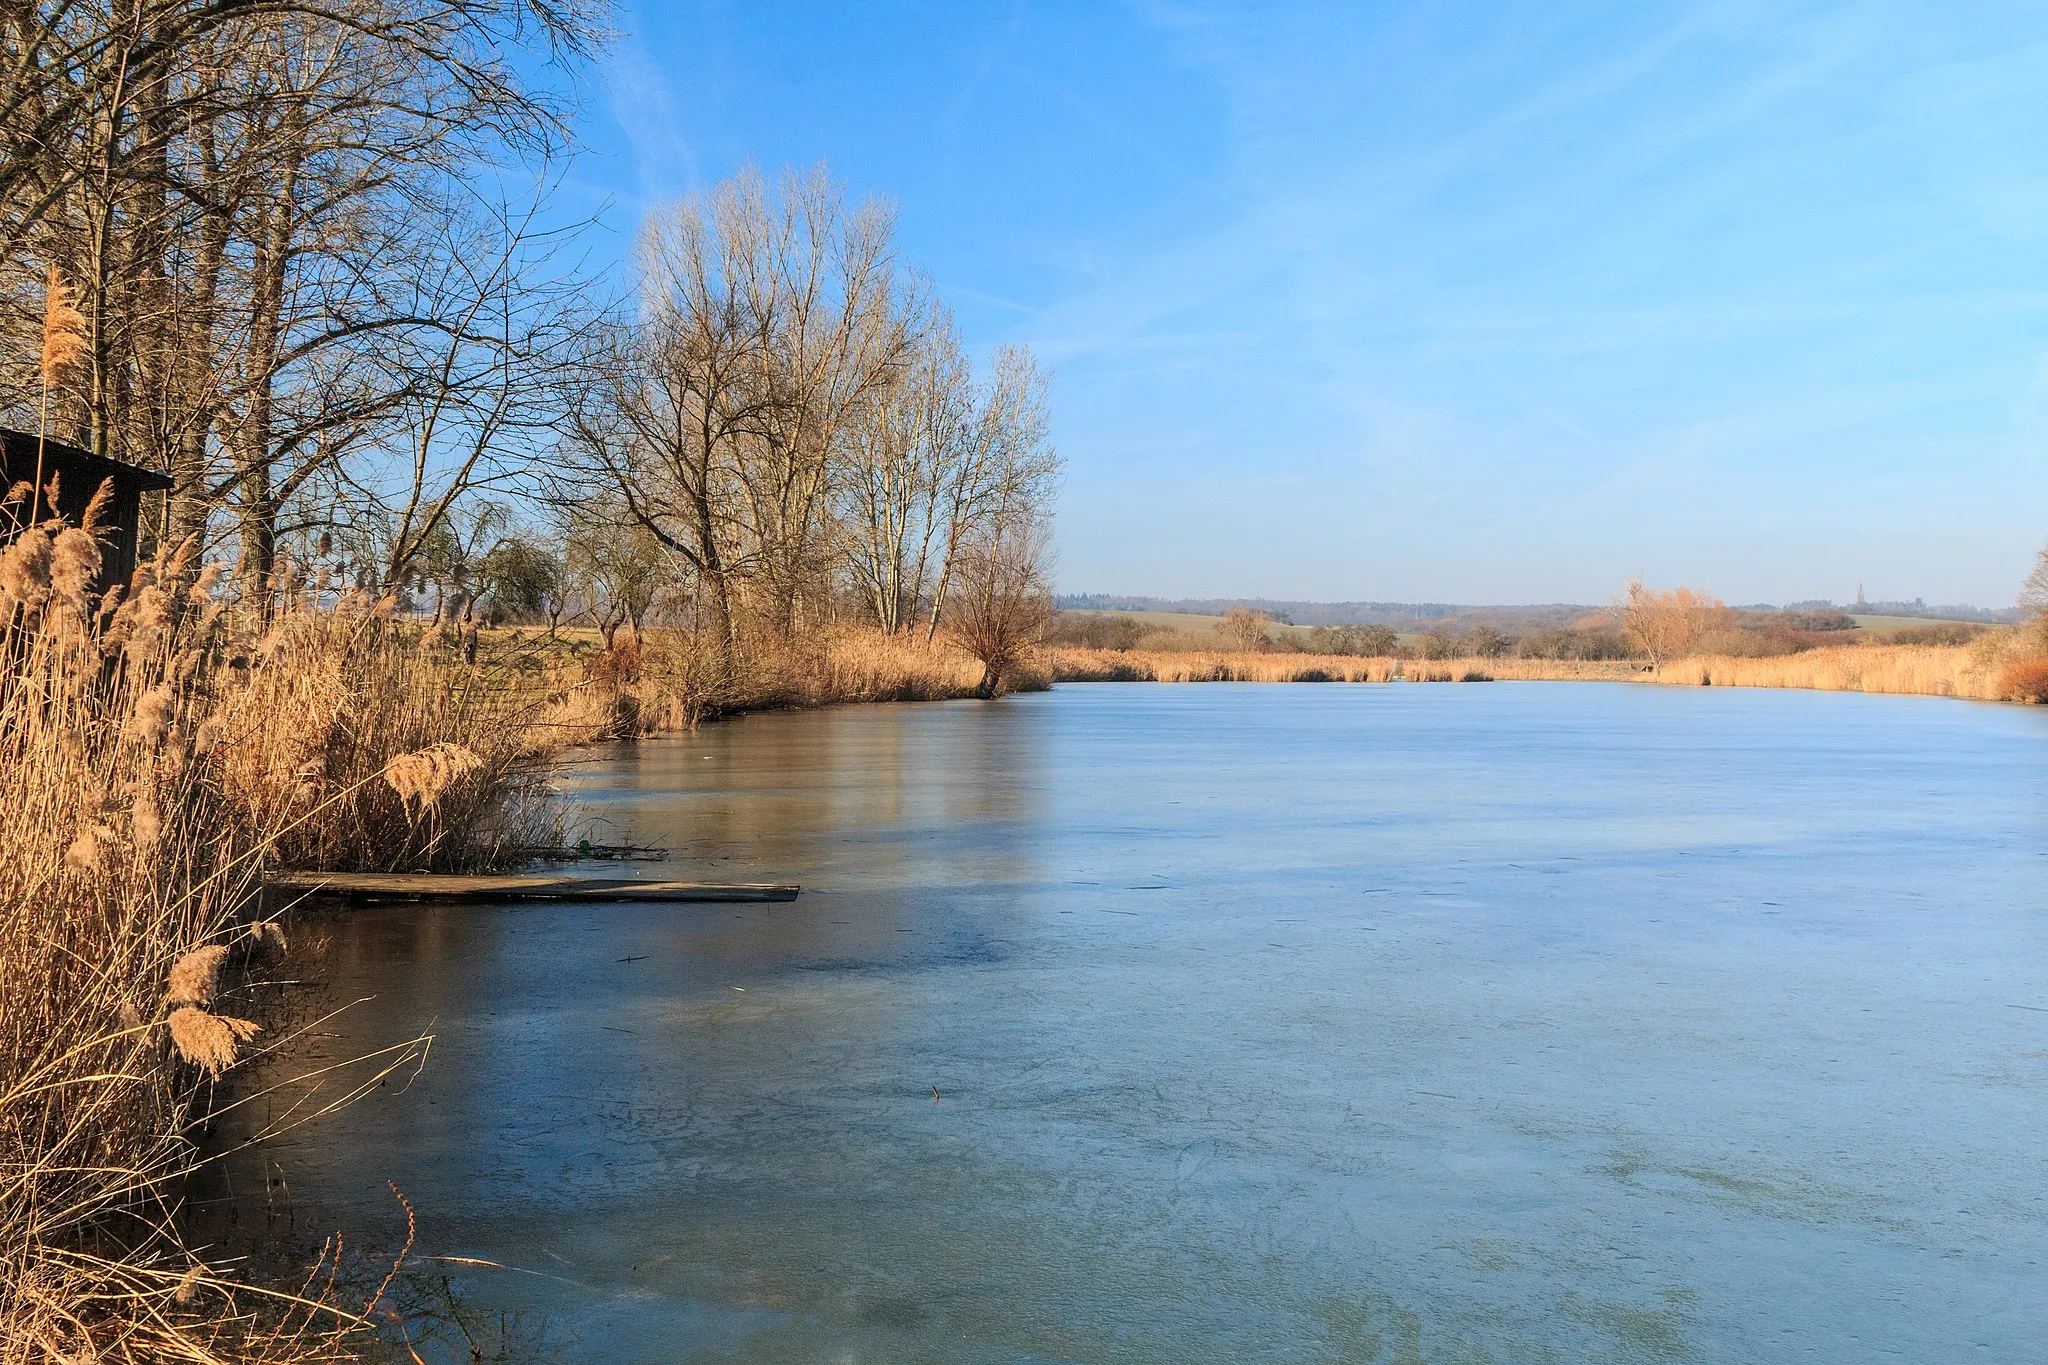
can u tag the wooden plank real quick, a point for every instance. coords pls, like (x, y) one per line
(366, 886)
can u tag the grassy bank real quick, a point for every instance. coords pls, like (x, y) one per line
(1997, 668)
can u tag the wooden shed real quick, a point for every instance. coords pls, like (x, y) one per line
(79, 474)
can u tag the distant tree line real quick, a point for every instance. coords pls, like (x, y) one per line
(1523, 619)
(1641, 624)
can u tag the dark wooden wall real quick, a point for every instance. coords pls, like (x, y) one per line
(79, 474)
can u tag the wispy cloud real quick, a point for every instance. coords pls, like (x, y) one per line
(645, 109)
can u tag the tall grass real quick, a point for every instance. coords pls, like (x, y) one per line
(865, 665)
(1997, 666)
(665, 679)
(359, 691)
(1102, 665)
(1923, 670)
(155, 759)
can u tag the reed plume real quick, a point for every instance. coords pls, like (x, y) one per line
(153, 712)
(96, 507)
(194, 976)
(145, 823)
(25, 569)
(209, 1041)
(64, 333)
(74, 567)
(87, 852)
(421, 779)
(63, 347)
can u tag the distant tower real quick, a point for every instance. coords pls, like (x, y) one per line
(1861, 605)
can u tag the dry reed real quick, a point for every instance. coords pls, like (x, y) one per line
(154, 760)
(2025, 681)
(64, 331)
(194, 975)
(1104, 665)
(1922, 670)
(1981, 670)
(665, 680)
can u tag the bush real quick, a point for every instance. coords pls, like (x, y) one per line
(1941, 633)
(1365, 642)
(1248, 630)
(2025, 681)
(1090, 631)
(1816, 620)
(1748, 644)
(1484, 642)
(1576, 645)
(1438, 643)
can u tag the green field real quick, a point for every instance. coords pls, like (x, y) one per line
(1181, 620)
(1905, 622)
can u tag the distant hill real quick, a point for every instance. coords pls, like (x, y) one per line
(1526, 617)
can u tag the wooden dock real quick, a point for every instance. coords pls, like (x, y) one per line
(371, 887)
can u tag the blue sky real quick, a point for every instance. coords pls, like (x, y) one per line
(1495, 302)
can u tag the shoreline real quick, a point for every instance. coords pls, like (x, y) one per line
(1898, 670)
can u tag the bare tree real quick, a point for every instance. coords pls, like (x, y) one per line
(902, 460)
(245, 195)
(1668, 625)
(476, 398)
(616, 567)
(1246, 628)
(823, 278)
(1002, 462)
(1004, 601)
(766, 327)
(2034, 591)
(668, 404)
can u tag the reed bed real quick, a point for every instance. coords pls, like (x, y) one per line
(155, 758)
(1104, 665)
(665, 680)
(1997, 667)
(865, 665)
(1919, 670)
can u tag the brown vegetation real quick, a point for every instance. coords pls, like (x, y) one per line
(155, 756)
(1949, 671)
(1684, 636)
(2026, 681)
(1247, 629)
(1924, 670)
(1070, 664)
(1670, 625)
(666, 679)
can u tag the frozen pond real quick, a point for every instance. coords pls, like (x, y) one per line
(1513, 1023)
